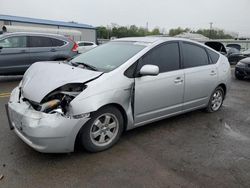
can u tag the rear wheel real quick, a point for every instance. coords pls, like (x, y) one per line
(103, 130)
(216, 100)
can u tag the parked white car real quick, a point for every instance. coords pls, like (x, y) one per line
(84, 46)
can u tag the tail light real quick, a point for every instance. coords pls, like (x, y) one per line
(75, 47)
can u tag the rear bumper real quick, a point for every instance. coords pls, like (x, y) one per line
(48, 133)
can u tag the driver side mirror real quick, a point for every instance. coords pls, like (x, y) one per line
(149, 70)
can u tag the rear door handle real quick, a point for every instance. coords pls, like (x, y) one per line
(178, 80)
(212, 73)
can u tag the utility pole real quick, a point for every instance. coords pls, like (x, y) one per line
(210, 31)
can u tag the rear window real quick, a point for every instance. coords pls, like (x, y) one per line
(57, 42)
(38, 41)
(88, 44)
(213, 56)
(85, 44)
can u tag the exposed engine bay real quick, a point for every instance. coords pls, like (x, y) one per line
(58, 100)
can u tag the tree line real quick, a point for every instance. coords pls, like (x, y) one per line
(134, 31)
(122, 31)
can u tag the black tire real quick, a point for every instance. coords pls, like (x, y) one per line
(210, 107)
(89, 143)
(239, 77)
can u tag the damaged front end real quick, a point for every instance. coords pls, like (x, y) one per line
(38, 109)
(58, 100)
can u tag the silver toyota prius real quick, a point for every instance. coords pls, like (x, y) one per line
(115, 87)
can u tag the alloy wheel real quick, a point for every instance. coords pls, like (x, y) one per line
(104, 129)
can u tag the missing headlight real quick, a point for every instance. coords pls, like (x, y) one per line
(59, 99)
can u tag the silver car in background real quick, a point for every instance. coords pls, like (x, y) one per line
(115, 87)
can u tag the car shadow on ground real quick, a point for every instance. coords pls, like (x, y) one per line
(168, 125)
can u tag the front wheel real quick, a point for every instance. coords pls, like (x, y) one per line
(103, 130)
(216, 100)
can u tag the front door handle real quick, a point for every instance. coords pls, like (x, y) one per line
(178, 80)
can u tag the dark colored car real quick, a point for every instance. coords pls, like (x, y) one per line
(242, 68)
(218, 46)
(19, 50)
(235, 46)
(234, 55)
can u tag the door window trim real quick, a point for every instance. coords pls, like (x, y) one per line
(15, 36)
(136, 75)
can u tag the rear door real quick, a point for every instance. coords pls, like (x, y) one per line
(14, 55)
(162, 95)
(200, 76)
(41, 48)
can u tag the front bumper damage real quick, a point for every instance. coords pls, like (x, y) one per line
(48, 133)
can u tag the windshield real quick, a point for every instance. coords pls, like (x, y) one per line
(108, 57)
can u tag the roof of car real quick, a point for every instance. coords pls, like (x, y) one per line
(31, 33)
(152, 39)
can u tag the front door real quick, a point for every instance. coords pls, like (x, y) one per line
(14, 55)
(159, 96)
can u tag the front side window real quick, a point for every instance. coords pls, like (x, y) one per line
(166, 57)
(38, 41)
(14, 42)
(194, 56)
(108, 57)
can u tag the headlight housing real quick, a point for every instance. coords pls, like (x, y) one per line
(58, 100)
(241, 65)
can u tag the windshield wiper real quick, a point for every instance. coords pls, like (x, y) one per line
(85, 65)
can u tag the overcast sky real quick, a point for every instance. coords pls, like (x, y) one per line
(231, 15)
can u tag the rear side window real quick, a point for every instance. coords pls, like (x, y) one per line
(14, 42)
(166, 57)
(85, 44)
(80, 44)
(88, 44)
(194, 56)
(57, 42)
(213, 56)
(38, 41)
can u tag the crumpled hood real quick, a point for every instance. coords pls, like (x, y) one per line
(43, 77)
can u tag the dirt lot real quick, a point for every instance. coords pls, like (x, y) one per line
(192, 150)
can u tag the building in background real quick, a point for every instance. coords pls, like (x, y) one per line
(192, 36)
(77, 31)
